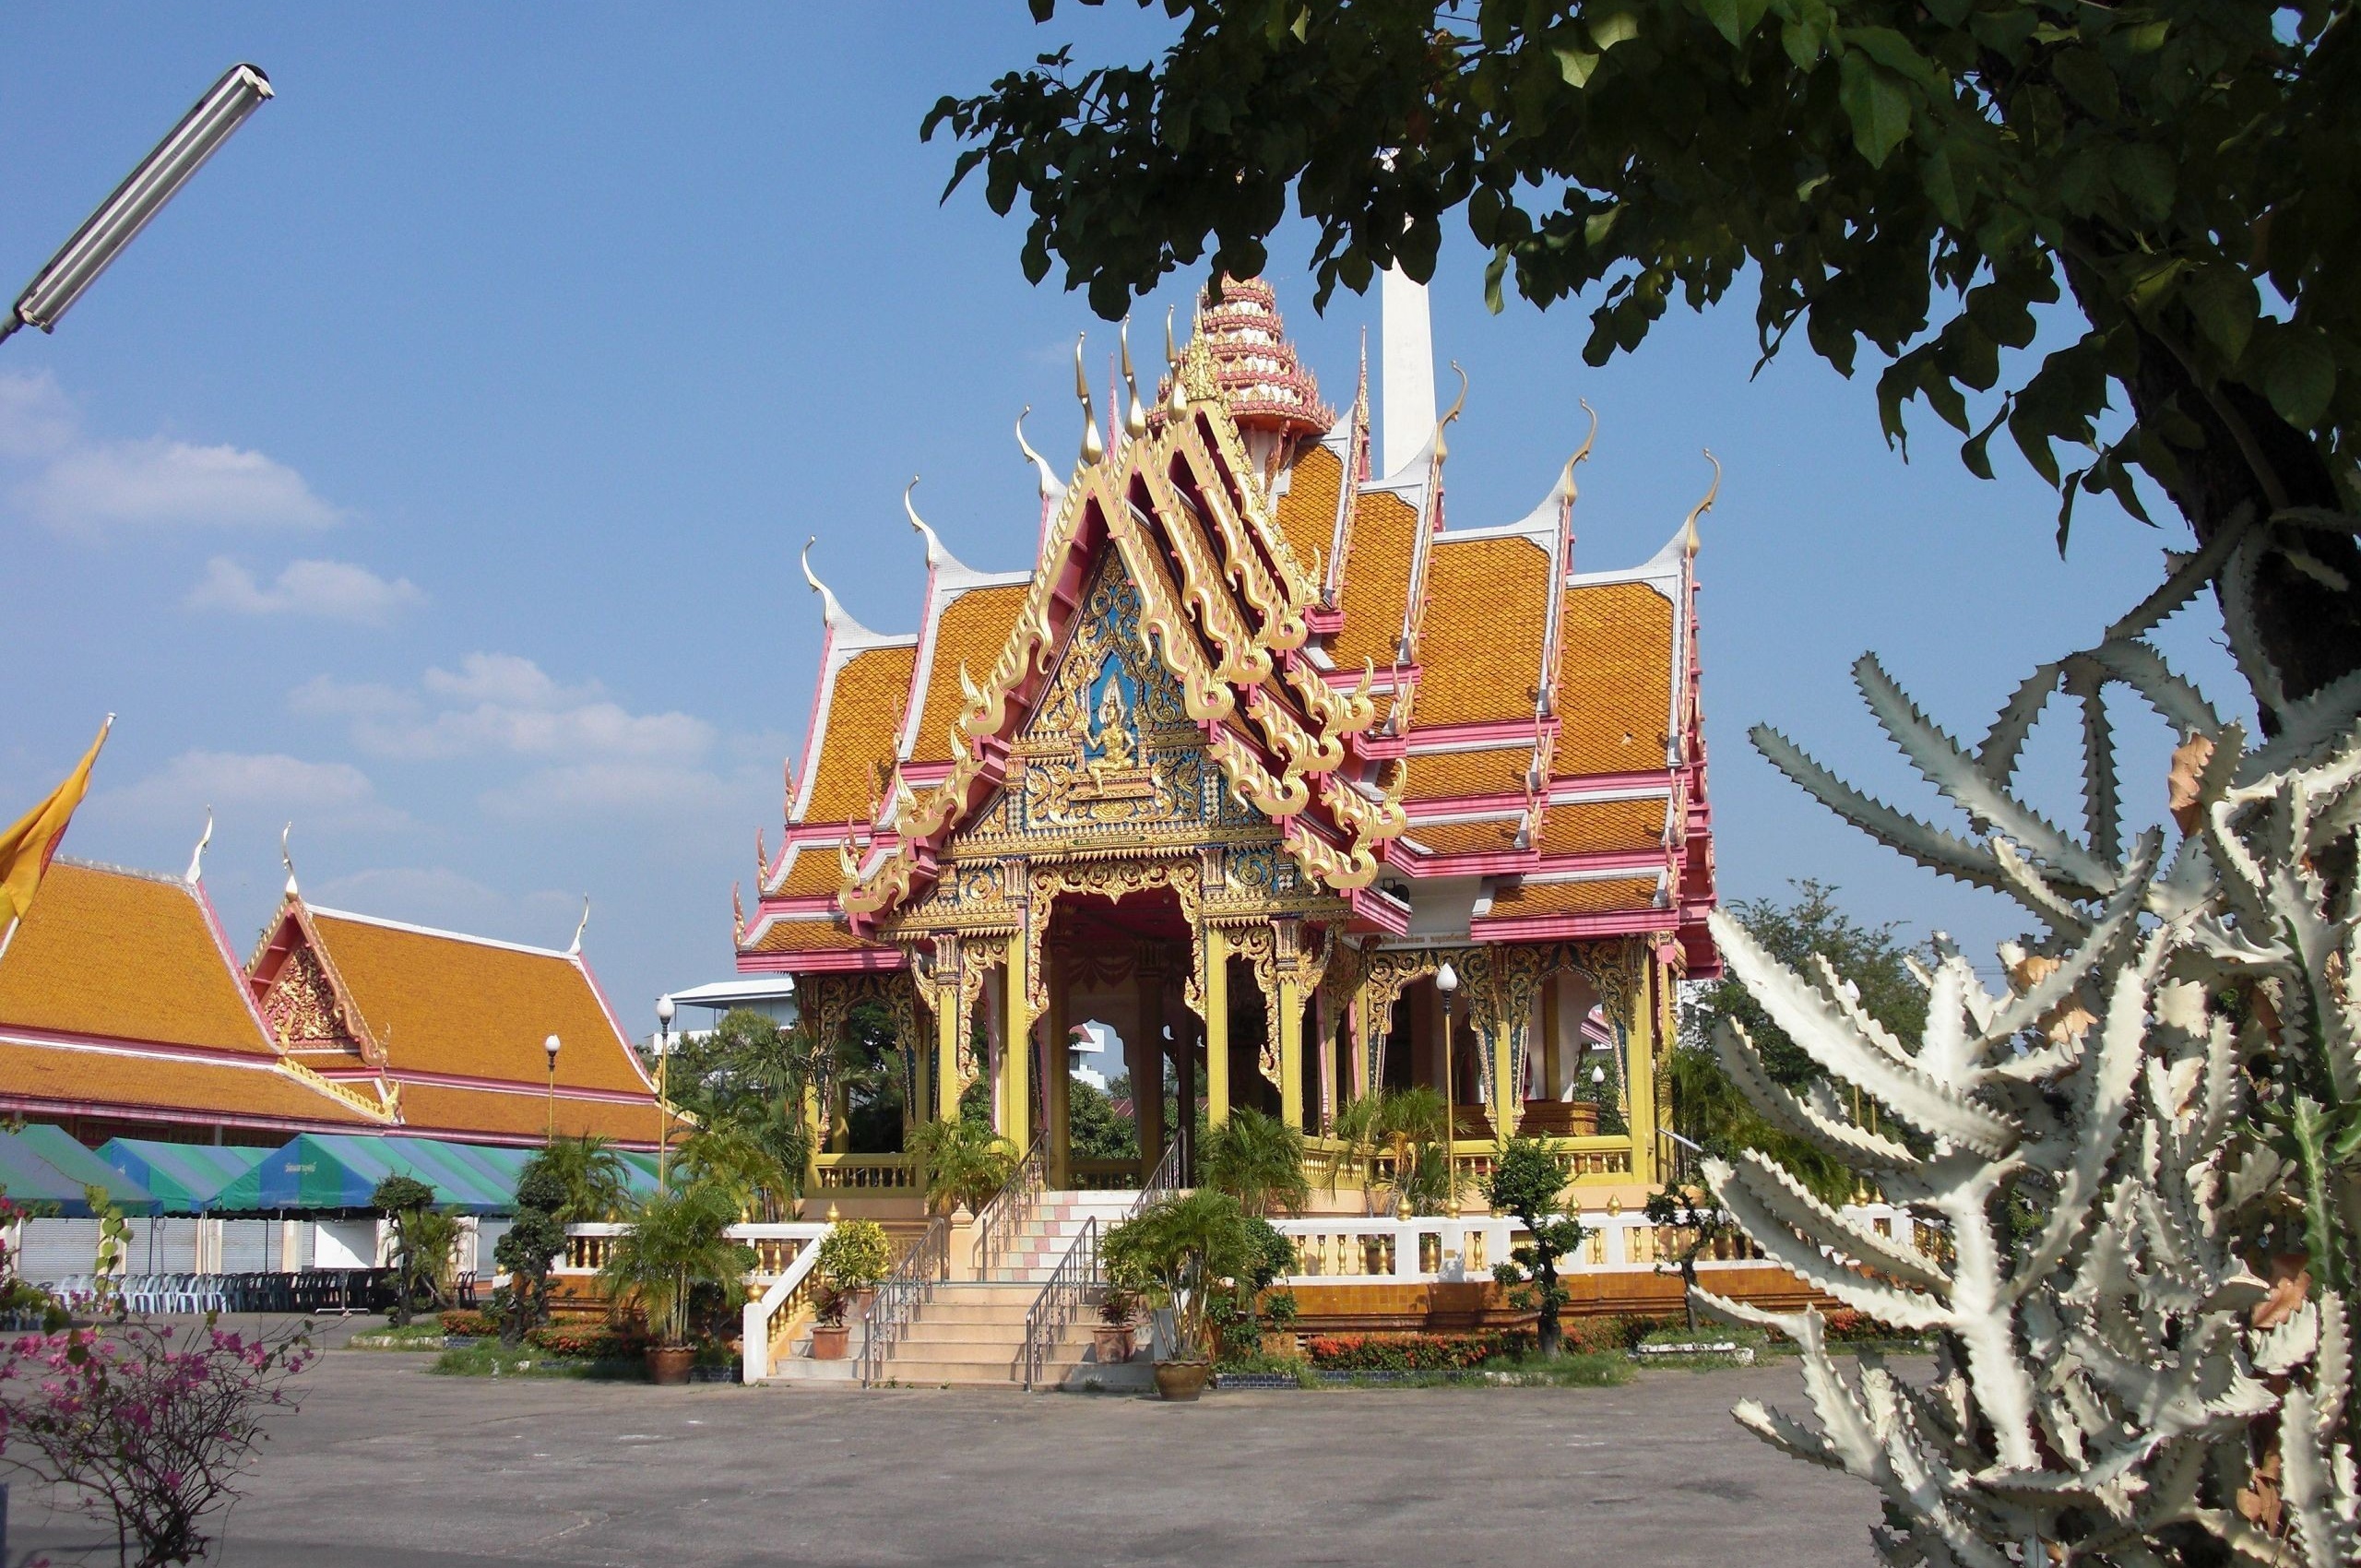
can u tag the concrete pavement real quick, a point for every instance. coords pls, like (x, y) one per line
(386, 1466)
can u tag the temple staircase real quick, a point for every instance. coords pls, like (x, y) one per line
(972, 1333)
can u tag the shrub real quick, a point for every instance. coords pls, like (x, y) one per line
(152, 1427)
(856, 1254)
(1414, 1352)
(466, 1323)
(599, 1342)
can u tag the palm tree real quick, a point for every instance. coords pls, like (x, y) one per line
(1179, 1251)
(674, 1244)
(757, 1157)
(961, 1162)
(1257, 1159)
(596, 1182)
(1394, 1140)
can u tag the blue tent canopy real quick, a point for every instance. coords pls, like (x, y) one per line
(43, 1166)
(186, 1178)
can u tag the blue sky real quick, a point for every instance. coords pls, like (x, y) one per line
(432, 472)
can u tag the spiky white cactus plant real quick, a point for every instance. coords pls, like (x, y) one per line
(2140, 1166)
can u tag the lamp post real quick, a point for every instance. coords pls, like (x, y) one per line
(141, 196)
(550, 1045)
(1447, 983)
(663, 1105)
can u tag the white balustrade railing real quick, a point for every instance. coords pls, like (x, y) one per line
(780, 1300)
(776, 1246)
(1424, 1250)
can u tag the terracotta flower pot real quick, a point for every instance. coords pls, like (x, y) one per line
(668, 1365)
(829, 1341)
(1182, 1379)
(1113, 1344)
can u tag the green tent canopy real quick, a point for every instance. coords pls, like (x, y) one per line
(338, 1170)
(186, 1178)
(45, 1166)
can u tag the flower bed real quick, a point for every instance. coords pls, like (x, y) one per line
(466, 1323)
(1413, 1352)
(587, 1342)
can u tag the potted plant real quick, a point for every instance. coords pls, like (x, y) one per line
(961, 1164)
(829, 1332)
(854, 1256)
(676, 1241)
(1182, 1247)
(1113, 1337)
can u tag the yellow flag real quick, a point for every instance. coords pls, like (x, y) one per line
(25, 848)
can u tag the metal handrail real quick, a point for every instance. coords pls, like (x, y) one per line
(1009, 1209)
(1070, 1287)
(1161, 1184)
(901, 1293)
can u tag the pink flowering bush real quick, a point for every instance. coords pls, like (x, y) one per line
(152, 1426)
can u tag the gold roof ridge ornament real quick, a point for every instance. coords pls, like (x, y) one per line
(1442, 446)
(935, 555)
(1135, 413)
(1176, 398)
(287, 859)
(1052, 487)
(830, 611)
(196, 857)
(573, 948)
(1689, 529)
(1093, 449)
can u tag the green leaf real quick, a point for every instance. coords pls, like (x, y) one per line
(1575, 66)
(2087, 80)
(2144, 175)
(2302, 377)
(1614, 28)
(1892, 50)
(2225, 302)
(1875, 103)
(1976, 451)
(1735, 18)
(1935, 175)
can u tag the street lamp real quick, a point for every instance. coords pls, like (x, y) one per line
(1447, 982)
(550, 1045)
(141, 196)
(663, 1107)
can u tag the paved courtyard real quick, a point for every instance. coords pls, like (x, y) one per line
(388, 1466)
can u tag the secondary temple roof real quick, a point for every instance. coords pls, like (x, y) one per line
(1455, 733)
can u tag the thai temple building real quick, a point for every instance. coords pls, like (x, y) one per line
(125, 1012)
(1300, 788)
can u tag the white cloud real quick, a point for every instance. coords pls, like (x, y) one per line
(438, 896)
(84, 484)
(499, 703)
(331, 795)
(332, 591)
(611, 789)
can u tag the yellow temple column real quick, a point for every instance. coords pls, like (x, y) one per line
(946, 1051)
(1146, 1064)
(1552, 1071)
(1508, 1097)
(1216, 948)
(1016, 1052)
(1057, 1080)
(1640, 1071)
(1290, 1027)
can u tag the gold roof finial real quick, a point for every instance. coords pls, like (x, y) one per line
(196, 860)
(1175, 400)
(1092, 449)
(933, 545)
(286, 858)
(1689, 529)
(1049, 485)
(1443, 447)
(1135, 414)
(574, 949)
(830, 611)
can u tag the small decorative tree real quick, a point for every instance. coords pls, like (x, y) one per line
(1529, 1181)
(408, 1203)
(526, 1249)
(676, 1242)
(1180, 1250)
(856, 1254)
(151, 1427)
(1701, 1225)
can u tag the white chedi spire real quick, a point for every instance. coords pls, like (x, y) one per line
(1407, 387)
